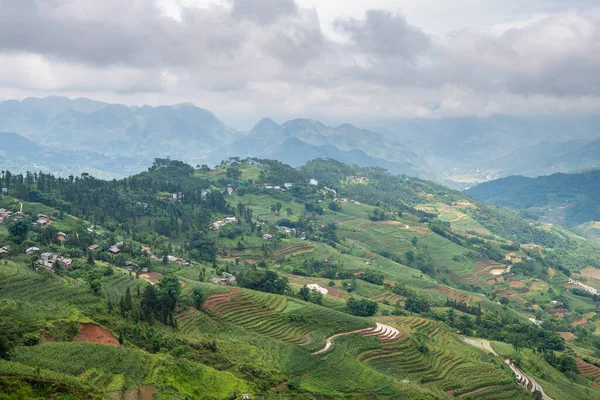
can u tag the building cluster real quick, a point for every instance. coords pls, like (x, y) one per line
(50, 260)
(173, 197)
(7, 215)
(225, 279)
(216, 225)
(270, 186)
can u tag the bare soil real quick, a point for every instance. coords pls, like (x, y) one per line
(568, 336)
(152, 277)
(95, 334)
(590, 272)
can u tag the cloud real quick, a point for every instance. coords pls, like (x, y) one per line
(272, 57)
(384, 35)
(263, 11)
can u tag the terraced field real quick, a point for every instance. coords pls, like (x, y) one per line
(455, 295)
(117, 285)
(443, 363)
(292, 250)
(481, 273)
(265, 314)
(389, 297)
(19, 284)
(587, 369)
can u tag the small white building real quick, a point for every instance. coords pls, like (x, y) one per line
(313, 182)
(318, 288)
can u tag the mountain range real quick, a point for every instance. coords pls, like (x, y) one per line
(570, 199)
(454, 151)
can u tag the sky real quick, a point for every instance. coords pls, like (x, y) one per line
(334, 60)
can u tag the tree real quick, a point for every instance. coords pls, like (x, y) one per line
(90, 258)
(198, 296)
(233, 173)
(289, 212)
(276, 207)
(18, 230)
(304, 293)
(362, 307)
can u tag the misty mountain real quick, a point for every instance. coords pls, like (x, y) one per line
(18, 153)
(499, 144)
(300, 140)
(549, 157)
(184, 131)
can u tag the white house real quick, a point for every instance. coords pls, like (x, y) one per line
(317, 287)
(313, 182)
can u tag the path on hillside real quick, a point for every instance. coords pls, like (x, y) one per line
(330, 338)
(526, 381)
(480, 343)
(386, 334)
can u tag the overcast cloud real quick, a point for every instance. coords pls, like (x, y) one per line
(341, 61)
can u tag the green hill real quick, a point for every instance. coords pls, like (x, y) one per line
(570, 199)
(184, 282)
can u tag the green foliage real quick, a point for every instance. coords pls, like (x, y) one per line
(362, 307)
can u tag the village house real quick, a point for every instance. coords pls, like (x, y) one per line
(43, 219)
(226, 278)
(231, 220)
(65, 262)
(317, 288)
(313, 182)
(94, 247)
(144, 270)
(18, 215)
(129, 265)
(288, 185)
(5, 250)
(175, 259)
(114, 249)
(266, 236)
(48, 260)
(229, 190)
(31, 250)
(62, 236)
(145, 249)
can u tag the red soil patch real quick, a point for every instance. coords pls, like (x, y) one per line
(146, 392)
(580, 321)
(590, 272)
(559, 313)
(516, 284)
(95, 334)
(568, 336)
(152, 277)
(551, 272)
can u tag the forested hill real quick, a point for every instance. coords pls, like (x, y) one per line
(569, 198)
(256, 279)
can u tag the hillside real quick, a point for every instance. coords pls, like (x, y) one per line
(324, 281)
(569, 199)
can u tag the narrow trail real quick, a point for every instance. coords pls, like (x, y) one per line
(385, 333)
(526, 381)
(330, 338)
